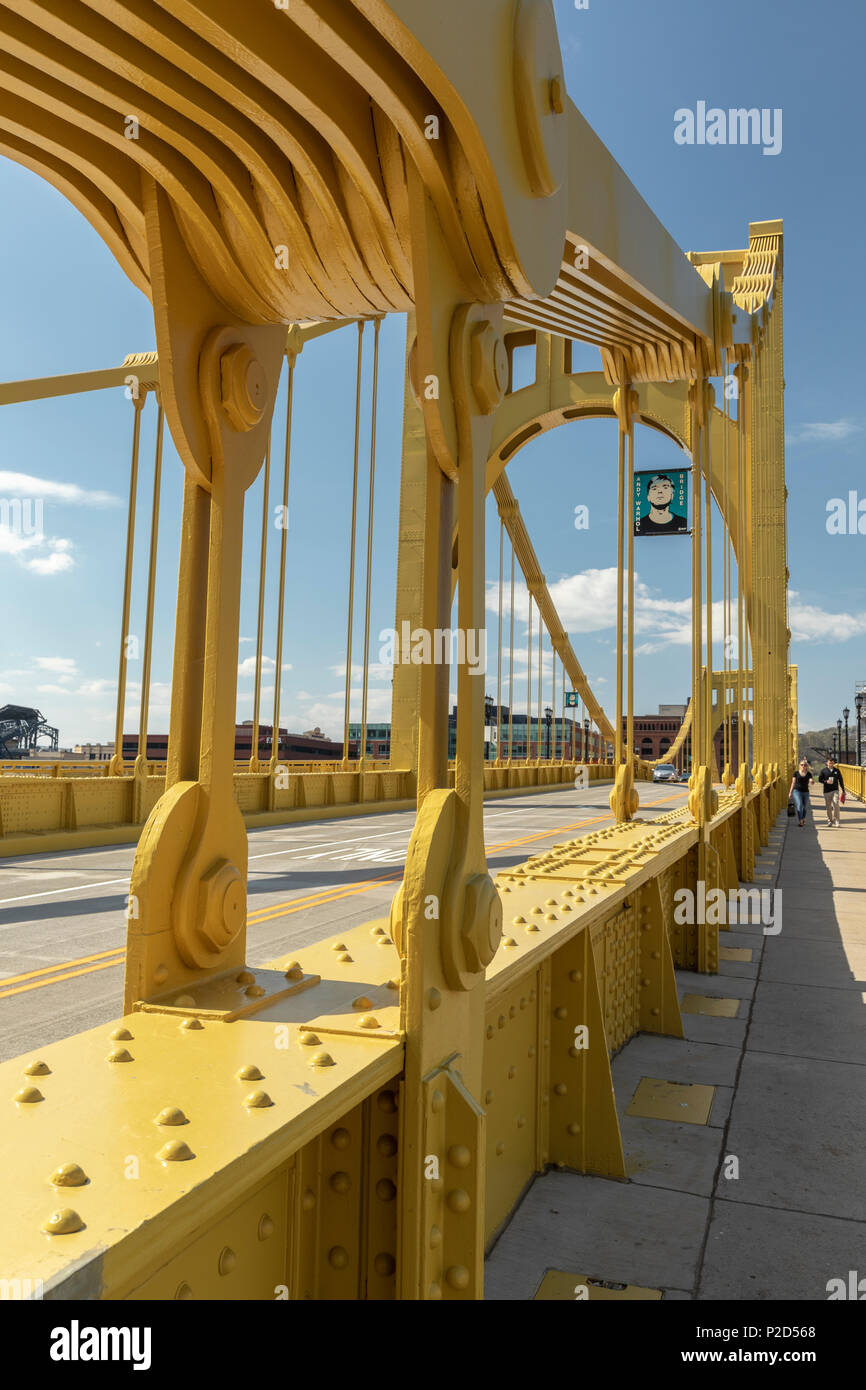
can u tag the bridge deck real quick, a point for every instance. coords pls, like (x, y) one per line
(789, 1104)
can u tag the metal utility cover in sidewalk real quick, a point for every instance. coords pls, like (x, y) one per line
(560, 1286)
(709, 1004)
(735, 953)
(671, 1100)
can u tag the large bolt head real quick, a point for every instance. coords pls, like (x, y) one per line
(482, 922)
(223, 905)
(489, 367)
(243, 388)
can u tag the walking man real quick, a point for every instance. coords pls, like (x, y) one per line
(834, 789)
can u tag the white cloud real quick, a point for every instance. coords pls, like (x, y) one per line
(25, 485)
(809, 623)
(828, 432)
(39, 553)
(247, 668)
(56, 663)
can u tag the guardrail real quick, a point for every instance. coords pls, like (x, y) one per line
(291, 1173)
(67, 809)
(854, 779)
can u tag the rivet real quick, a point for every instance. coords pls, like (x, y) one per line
(337, 1257)
(533, 927)
(435, 1291)
(37, 1069)
(255, 991)
(175, 1151)
(384, 1264)
(340, 1182)
(560, 1012)
(387, 1101)
(69, 1175)
(488, 1096)
(62, 1223)
(490, 1030)
(344, 958)
(378, 931)
(656, 955)
(119, 1054)
(340, 946)
(183, 1291)
(459, 1156)
(294, 965)
(519, 922)
(309, 1039)
(323, 1059)
(383, 941)
(184, 1001)
(521, 1121)
(512, 1011)
(535, 912)
(369, 1022)
(385, 1190)
(362, 1002)
(646, 983)
(341, 1139)
(434, 999)
(295, 973)
(509, 942)
(393, 984)
(500, 1148)
(191, 1025)
(121, 1035)
(308, 1201)
(160, 975)
(437, 1102)
(530, 1052)
(458, 1277)
(551, 902)
(246, 977)
(512, 1072)
(560, 1089)
(574, 1127)
(171, 1116)
(459, 1200)
(227, 1260)
(500, 1022)
(575, 975)
(655, 1013)
(523, 1003)
(266, 1228)
(386, 1145)
(257, 1100)
(249, 1073)
(435, 1237)
(28, 1095)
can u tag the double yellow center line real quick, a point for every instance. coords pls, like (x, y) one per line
(88, 965)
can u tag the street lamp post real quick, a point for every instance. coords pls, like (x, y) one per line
(845, 715)
(837, 746)
(548, 719)
(858, 704)
(585, 740)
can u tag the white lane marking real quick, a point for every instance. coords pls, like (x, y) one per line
(75, 888)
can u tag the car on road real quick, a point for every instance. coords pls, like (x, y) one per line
(665, 772)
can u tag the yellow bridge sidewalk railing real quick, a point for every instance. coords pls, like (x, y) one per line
(273, 1158)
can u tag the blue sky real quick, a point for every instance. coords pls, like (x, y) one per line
(629, 66)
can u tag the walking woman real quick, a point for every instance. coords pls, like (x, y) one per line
(799, 790)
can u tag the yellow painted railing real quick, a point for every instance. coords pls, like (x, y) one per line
(283, 1176)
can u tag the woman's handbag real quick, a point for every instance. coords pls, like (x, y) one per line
(792, 810)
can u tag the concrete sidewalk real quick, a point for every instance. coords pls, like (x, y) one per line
(767, 1198)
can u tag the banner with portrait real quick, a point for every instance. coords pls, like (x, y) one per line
(660, 505)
